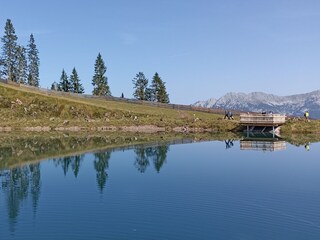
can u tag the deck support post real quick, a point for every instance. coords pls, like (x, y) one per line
(273, 131)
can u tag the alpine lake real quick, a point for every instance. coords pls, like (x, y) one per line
(159, 186)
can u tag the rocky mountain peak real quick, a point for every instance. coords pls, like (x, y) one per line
(294, 105)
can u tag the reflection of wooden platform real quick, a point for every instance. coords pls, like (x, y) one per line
(262, 145)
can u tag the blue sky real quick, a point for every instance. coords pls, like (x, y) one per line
(200, 48)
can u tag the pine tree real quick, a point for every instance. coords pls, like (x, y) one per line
(9, 48)
(140, 83)
(99, 80)
(1, 66)
(76, 86)
(21, 71)
(149, 95)
(55, 86)
(64, 82)
(34, 63)
(158, 90)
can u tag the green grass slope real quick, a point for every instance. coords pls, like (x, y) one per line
(22, 108)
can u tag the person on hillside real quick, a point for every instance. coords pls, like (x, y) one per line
(306, 115)
(230, 115)
(226, 114)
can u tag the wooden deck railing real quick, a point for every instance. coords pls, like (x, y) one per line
(262, 119)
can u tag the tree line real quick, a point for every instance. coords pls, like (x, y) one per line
(18, 63)
(155, 92)
(21, 65)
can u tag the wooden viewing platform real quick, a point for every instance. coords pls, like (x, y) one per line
(266, 120)
(262, 120)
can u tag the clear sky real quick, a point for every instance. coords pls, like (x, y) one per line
(200, 48)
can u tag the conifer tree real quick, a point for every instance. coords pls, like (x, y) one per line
(34, 63)
(21, 71)
(76, 86)
(1, 66)
(99, 80)
(158, 90)
(64, 82)
(9, 49)
(55, 86)
(150, 94)
(140, 83)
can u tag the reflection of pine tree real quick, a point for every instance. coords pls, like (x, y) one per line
(76, 163)
(142, 161)
(66, 162)
(35, 184)
(101, 164)
(17, 190)
(157, 155)
(16, 184)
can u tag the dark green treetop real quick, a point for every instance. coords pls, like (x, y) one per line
(140, 83)
(21, 70)
(76, 86)
(34, 63)
(9, 48)
(158, 90)
(56, 86)
(64, 82)
(99, 80)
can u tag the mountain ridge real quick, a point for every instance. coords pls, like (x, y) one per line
(294, 105)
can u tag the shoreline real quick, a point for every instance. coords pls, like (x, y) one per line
(122, 129)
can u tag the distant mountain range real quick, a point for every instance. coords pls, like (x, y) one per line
(294, 105)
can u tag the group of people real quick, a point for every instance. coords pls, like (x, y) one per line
(228, 114)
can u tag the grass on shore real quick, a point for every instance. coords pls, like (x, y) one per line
(300, 125)
(20, 107)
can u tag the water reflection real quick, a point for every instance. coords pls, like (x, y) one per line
(22, 182)
(101, 164)
(17, 184)
(21, 186)
(229, 143)
(307, 146)
(262, 142)
(155, 154)
(70, 162)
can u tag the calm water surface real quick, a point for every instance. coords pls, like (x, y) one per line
(207, 190)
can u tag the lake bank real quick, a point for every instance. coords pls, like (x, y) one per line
(32, 110)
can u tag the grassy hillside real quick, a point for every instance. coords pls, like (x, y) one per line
(21, 108)
(299, 125)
